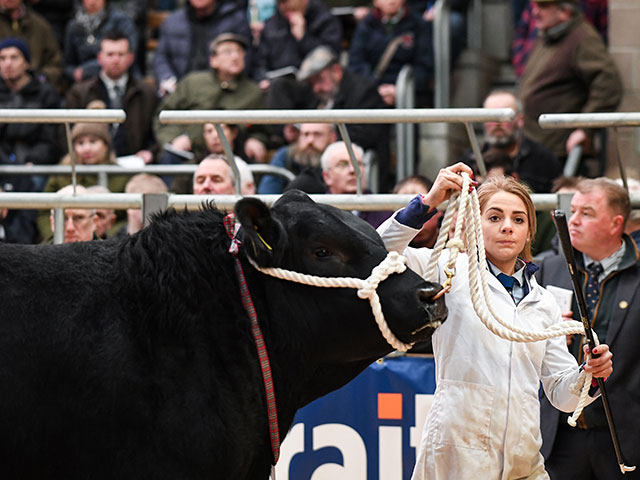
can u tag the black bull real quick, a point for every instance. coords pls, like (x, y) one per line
(134, 359)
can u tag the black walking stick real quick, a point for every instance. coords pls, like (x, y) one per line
(563, 232)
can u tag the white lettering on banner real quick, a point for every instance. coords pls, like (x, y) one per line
(390, 453)
(353, 449)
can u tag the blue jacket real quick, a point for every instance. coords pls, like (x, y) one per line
(372, 37)
(173, 57)
(279, 48)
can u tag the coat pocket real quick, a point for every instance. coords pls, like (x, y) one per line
(461, 414)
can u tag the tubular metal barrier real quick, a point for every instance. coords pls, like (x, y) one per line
(405, 132)
(442, 53)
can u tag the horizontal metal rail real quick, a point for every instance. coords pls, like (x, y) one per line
(61, 115)
(121, 201)
(275, 117)
(589, 120)
(258, 168)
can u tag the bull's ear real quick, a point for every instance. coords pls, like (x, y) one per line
(262, 236)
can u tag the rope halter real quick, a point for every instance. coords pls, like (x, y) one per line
(467, 207)
(367, 288)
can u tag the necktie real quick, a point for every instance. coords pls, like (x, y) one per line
(508, 282)
(593, 287)
(117, 94)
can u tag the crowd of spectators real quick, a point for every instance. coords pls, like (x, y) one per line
(277, 54)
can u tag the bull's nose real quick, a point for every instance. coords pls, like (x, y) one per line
(426, 294)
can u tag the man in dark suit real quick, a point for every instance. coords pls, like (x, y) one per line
(609, 268)
(119, 87)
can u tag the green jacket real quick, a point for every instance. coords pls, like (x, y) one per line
(204, 91)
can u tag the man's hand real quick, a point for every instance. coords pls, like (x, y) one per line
(388, 93)
(577, 137)
(77, 74)
(182, 142)
(298, 24)
(145, 155)
(255, 149)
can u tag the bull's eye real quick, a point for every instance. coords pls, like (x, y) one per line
(322, 253)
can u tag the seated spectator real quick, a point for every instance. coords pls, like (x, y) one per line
(526, 33)
(387, 39)
(17, 20)
(185, 38)
(84, 34)
(304, 154)
(91, 146)
(297, 27)
(225, 86)
(117, 85)
(18, 226)
(140, 183)
(214, 176)
(79, 223)
(25, 143)
(336, 88)
(534, 164)
(106, 225)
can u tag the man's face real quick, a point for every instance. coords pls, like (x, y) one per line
(502, 134)
(326, 83)
(592, 223)
(115, 58)
(548, 15)
(388, 8)
(104, 221)
(287, 7)
(315, 137)
(340, 177)
(212, 140)
(93, 6)
(228, 59)
(13, 65)
(79, 225)
(213, 177)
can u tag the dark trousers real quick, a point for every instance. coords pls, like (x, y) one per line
(585, 455)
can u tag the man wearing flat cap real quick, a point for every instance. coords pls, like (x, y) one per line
(225, 86)
(568, 71)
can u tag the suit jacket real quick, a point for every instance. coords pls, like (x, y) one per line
(620, 303)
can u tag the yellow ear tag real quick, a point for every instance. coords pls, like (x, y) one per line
(262, 239)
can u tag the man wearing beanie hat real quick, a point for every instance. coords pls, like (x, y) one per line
(569, 70)
(20, 21)
(22, 143)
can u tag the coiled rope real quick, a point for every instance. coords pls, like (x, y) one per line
(467, 207)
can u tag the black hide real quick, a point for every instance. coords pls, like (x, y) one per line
(134, 359)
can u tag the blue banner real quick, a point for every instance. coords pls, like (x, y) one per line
(367, 430)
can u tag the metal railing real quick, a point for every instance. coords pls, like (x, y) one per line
(442, 53)
(405, 132)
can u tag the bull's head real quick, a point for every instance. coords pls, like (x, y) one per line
(314, 239)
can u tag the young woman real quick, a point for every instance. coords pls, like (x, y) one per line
(484, 421)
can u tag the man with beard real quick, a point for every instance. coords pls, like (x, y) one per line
(304, 154)
(533, 163)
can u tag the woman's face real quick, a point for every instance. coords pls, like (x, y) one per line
(90, 150)
(505, 226)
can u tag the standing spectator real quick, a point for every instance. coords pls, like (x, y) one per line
(84, 34)
(388, 38)
(118, 86)
(569, 70)
(186, 35)
(16, 20)
(136, 10)
(534, 164)
(304, 154)
(608, 265)
(24, 143)
(290, 35)
(225, 86)
(79, 223)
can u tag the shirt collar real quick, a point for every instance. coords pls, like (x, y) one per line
(609, 264)
(110, 83)
(522, 270)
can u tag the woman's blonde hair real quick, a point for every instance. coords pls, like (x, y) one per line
(497, 184)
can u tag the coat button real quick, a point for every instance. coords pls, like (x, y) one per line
(623, 304)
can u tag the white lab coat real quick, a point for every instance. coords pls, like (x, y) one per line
(484, 422)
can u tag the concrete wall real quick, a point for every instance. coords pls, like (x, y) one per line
(624, 45)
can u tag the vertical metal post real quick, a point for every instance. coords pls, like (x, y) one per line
(153, 203)
(72, 156)
(475, 146)
(58, 225)
(230, 157)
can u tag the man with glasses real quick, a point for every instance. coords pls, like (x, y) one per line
(79, 223)
(225, 86)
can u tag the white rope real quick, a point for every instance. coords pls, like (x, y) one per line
(468, 208)
(393, 263)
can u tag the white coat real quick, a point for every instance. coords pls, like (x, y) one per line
(484, 422)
